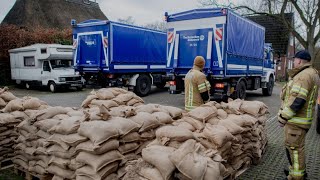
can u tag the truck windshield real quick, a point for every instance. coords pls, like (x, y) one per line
(61, 64)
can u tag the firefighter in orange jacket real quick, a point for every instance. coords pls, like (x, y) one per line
(296, 113)
(197, 88)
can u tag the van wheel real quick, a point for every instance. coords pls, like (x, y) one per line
(241, 90)
(52, 87)
(143, 85)
(268, 91)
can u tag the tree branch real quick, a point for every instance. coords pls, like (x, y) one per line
(303, 18)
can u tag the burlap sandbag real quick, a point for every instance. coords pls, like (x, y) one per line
(67, 126)
(123, 111)
(99, 113)
(106, 103)
(74, 165)
(73, 139)
(117, 91)
(162, 117)
(58, 151)
(43, 134)
(21, 163)
(173, 111)
(147, 135)
(131, 137)
(6, 133)
(129, 157)
(65, 173)
(174, 133)
(49, 113)
(122, 99)
(158, 156)
(194, 166)
(214, 170)
(26, 125)
(244, 120)
(88, 100)
(89, 173)
(142, 146)
(6, 118)
(41, 151)
(56, 139)
(56, 177)
(231, 126)
(3, 128)
(37, 169)
(7, 96)
(97, 162)
(123, 125)
(60, 116)
(146, 121)
(217, 134)
(88, 146)
(195, 123)
(203, 113)
(19, 115)
(234, 106)
(187, 147)
(103, 131)
(14, 105)
(62, 163)
(46, 124)
(32, 103)
(75, 113)
(150, 173)
(134, 101)
(148, 108)
(184, 125)
(254, 108)
(222, 114)
(105, 94)
(128, 147)
(2, 103)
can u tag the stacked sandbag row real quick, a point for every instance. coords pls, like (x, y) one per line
(210, 142)
(122, 129)
(59, 126)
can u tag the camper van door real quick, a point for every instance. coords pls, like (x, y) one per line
(46, 73)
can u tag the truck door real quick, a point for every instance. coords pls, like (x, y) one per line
(90, 50)
(193, 43)
(45, 73)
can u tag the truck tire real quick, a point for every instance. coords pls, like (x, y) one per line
(268, 91)
(318, 119)
(143, 85)
(241, 90)
(52, 87)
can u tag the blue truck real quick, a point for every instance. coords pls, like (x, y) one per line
(116, 54)
(237, 57)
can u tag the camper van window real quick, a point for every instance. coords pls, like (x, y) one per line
(44, 51)
(46, 66)
(60, 63)
(29, 61)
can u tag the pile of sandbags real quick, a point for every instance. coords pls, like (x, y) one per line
(210, 142)
(123, 126)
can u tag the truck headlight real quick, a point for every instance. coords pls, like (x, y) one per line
(62, 79)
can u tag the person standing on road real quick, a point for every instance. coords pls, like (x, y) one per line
(298, 98)
(197, 88)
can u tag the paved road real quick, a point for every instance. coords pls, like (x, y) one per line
(274, 159)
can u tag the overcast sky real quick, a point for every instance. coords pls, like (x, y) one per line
(142, 11)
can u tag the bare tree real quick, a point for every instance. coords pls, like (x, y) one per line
(129, 20)
(161, 26)
(307, 12)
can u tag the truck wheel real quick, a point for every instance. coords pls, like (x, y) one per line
(143, 85)
(52, 87)
(268, 91)
(318, 119)
(241, 90)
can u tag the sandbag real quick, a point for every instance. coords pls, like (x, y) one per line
(60, 116)
(43, 134)
(104, 94)
(131, 137)
(123, 111)
(65, 173)
(62, 163)
(254, 108)
(58, 151)
(75, 113)
(73, 139)
(67, 126)
(7, 96)
(49, 113)
(26, 125)
(19, 115)
(194, 166)
(103, 131)
(89, 173)
(150, 173)
(122, 99)
(74, 165)
(21, 163)
(163, 117)
(88, 100)
(148, 108)
(128, 147)
(101, 113)
(217, 134)
(6, 118)
(106, 103)
(187, 147)
(97, 162)
(184, 125)
(46, 124)
(195, 123)
(222, 114)
(56, 139)
(147, 135)
(203, 113)
(234, 106)
(88, 146)
(158, 156)
(56, 177)
(134, 101)
(14, 105)
(213, 170)
(123, 125)
(174, 133)
(146, 121)
(231, 126)
(2, 103)
(31, 103)
(173, 111)
(142, 146)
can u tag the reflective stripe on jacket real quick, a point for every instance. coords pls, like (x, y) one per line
(299, 96)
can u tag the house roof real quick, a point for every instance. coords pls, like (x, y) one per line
(52, 13)
(276, 31)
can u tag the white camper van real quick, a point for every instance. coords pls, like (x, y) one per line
(44, 65)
